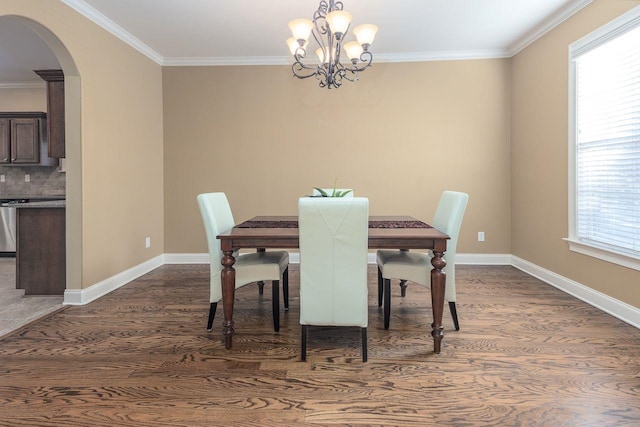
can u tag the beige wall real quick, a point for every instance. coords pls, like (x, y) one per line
(399, 136)
(540, 157)
(114, 159)
(27, 99)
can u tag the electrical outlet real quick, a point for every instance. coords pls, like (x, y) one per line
(147, 242)
(1, 178)
(27, 177)
(480, 236)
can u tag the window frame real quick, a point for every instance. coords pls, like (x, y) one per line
(624, 23)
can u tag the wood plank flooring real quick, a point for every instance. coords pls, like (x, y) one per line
(526, 355)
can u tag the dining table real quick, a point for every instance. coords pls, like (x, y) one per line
(385, 232)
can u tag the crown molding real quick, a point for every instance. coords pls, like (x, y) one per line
(286, 60)
(221, 61)
(556, 19)
(455, 55)
(106, 23)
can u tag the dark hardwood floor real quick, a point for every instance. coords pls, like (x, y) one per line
(526, 355)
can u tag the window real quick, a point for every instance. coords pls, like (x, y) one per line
(604, 142)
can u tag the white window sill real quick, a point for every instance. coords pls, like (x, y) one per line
(603, 254)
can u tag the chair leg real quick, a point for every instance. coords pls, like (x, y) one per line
(387, 302)
(364, 344)
(380, 288)
(303, 343)
(285, 288)
(275, 297)
(212, 313)
(454, 314)
(260, 283)
(403, 288)
(403, 282)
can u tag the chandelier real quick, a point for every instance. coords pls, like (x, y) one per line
(329, 28)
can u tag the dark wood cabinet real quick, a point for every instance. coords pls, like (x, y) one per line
(40, 251)
(21, 137)
(5, 141)
(55, 111)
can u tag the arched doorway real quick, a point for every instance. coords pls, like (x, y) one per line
(72, 148)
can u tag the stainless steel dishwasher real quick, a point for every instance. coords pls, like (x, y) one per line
(8, 224)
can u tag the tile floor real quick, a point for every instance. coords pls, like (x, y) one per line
(16, 309)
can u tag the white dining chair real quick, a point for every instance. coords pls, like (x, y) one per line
(253, 267)
(416, 267)
(333, 264)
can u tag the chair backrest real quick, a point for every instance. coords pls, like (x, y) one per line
(333, 261)
(217, 218)
(448, 218)
(329, 191)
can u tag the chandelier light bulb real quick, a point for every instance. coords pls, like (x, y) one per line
(294, 45)
(323, 54)
(301, 29)
(354, 50)
(365, 34)
(339, 21)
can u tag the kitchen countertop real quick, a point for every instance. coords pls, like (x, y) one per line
(42, 204)
(35, 198)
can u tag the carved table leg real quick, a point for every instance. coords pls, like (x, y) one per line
(228, 295)
(437, 298)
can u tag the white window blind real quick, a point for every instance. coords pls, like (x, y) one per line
(607, 144)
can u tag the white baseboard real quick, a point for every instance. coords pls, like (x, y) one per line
(192, 258)
(85, 296)
(483, 259)
(294, 258)
(612, 306)
(621, 310)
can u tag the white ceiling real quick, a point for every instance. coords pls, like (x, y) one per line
(245, 32)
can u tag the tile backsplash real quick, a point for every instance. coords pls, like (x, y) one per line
(43, 181)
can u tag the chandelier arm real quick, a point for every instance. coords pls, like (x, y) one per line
(338, 76)
(302, 71)
(352, 76)
(323, 8)
(366, 59)
(320, 24)
(321, 15)
(298, 57)
(321, 72)
(347, 73)
(339, 46)
(324, 77)
(315, 35)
